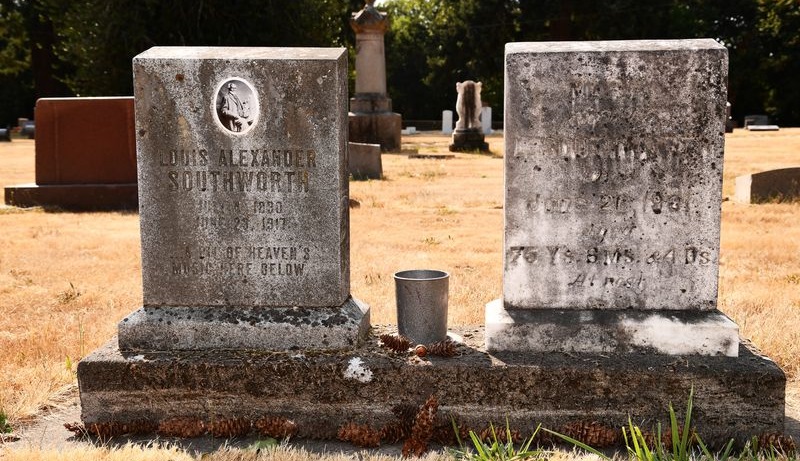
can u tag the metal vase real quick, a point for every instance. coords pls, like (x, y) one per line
(422, 304)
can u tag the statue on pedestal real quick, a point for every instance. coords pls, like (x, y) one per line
(468, 135)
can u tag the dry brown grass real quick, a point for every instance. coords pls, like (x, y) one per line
(66, 279)
(137, 453)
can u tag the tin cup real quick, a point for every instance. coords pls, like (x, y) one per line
(422, 304)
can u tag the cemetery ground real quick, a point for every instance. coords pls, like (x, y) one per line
(66, 279)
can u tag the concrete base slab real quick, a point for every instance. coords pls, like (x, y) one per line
(610, 331)
(733, 396)
(264, 329)
(376, 128)
(432, 156)
(79, 197)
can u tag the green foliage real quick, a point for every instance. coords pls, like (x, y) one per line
(497, 448)
(5, 428)
(14, 56)
(433, 44)
(683, 439)
(60, 47)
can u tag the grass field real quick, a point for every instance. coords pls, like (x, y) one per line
(66, 279)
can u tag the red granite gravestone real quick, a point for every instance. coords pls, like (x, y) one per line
(85, 155)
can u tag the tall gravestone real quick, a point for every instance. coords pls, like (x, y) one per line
(613, 176)
(243, 200)
(243, 193)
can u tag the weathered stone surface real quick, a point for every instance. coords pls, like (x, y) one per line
(733, 397)
(364, 160)
(447, 122)
(256, 328)
(247, 211)
(605, 331)
(613, 174)
(376, 128)
(773, 185)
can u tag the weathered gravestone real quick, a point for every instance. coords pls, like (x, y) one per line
(243, 188)
(781, 185)
(249, 215)
(613, 174)
(364, 160)
(85, 155)
(612, 204)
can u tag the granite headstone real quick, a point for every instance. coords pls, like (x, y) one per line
(243, 192)
(612, 208)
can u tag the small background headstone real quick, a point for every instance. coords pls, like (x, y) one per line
(364, 161)
(782, 185)
(486, 119)
(447, 122)
(85, 155)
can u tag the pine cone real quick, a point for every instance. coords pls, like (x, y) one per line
(181, 427)
(360, 435)
(500, 432)
(276, 426)
(781, 442)
(227, 428)
(395, 432)
(444, 348)
(395, 343)
(445, 434)
(76, 428)
(592, 433)
(422, 431)
(105, 430)
(406, 413)
(112, 428)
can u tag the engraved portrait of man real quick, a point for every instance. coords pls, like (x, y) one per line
(234, 106)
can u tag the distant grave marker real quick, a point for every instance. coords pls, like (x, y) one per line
(768, 186)
(364, 161)
(85, 155)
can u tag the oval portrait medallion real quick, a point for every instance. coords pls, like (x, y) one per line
(236, 105)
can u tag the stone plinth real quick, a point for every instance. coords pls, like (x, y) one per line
(364, 161)
(371, 121)
(468, 140)
(768, 186)
(733, 397)
(605, 331)
(274, 329)
(85, 155)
